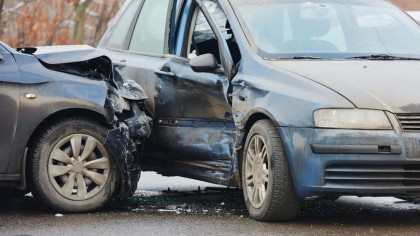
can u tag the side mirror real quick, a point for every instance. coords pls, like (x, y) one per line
(205, 63)
(2, 59)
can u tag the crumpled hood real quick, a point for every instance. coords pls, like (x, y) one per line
(62, 54)
(386, 85)
(88, 62)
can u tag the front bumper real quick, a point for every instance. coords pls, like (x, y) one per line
(327, 162)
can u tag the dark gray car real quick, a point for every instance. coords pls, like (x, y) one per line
(71, 126)
(290, 100)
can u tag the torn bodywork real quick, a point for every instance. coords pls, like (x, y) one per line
(128, 124)
(131, 127)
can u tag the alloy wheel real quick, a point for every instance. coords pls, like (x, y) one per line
(257, 166)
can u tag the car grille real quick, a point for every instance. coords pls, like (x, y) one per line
(409, 122)
(373, 176)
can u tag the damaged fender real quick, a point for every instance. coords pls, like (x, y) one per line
(124, 141)
(129, 125)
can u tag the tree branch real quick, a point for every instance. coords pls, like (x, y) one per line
(1, 9)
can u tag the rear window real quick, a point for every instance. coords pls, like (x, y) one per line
(149, 33)
(121, 30)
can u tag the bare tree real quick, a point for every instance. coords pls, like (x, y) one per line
(53, 22)
(80, 7)
(1, 9)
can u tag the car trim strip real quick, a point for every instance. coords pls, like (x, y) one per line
(356, 149)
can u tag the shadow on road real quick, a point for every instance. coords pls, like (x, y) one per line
(349, 211)
(206, 202)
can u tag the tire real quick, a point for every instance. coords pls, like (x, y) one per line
(268, 187)
(69, 182)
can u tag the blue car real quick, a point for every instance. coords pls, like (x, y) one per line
(289, 100)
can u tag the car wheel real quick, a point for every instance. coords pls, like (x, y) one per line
(71, 169)
(268, 188)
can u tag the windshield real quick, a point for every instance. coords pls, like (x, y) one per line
(328, 29)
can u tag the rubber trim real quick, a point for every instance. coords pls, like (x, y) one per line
(356, 149)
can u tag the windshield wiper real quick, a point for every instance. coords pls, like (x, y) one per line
(384, 57)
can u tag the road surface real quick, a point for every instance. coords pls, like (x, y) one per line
(189, 209)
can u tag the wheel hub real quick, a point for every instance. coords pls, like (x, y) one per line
(78, 167)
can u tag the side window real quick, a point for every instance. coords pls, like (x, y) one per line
(149, 33)
(202, 38)
(120, 33)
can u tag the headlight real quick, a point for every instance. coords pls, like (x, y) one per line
(351, 119)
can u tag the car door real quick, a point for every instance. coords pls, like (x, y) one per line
(138, 41)
(195, 125)
(9, 106)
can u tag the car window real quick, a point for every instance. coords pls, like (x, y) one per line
(202, 31)
(119, 35)
(203, 40)
(149, 33)
(328, 29)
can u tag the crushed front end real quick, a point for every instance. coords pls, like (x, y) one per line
(131, 127)
(123, 105)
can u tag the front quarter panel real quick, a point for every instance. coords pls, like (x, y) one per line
(288, 99)
(55, 92)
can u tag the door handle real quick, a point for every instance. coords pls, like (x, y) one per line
(165, 73)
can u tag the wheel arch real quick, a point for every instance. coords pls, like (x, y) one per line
(252, 117)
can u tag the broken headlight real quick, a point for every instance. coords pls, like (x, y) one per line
(351, 119)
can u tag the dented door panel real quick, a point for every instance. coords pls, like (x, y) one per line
(194, 121)
(202, 149)
(188, 94)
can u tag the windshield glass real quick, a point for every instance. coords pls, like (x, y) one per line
(328, 29)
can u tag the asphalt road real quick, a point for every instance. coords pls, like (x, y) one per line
(185, 210)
